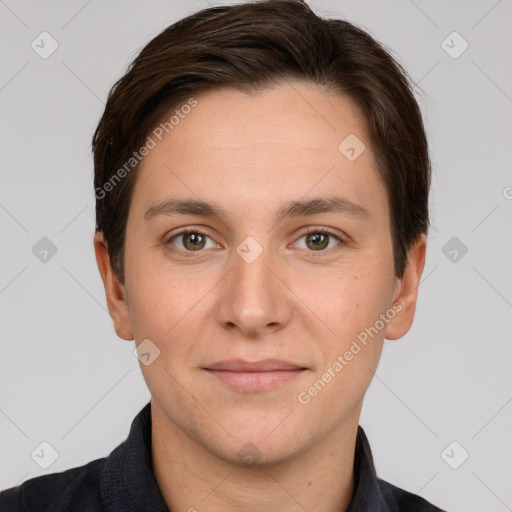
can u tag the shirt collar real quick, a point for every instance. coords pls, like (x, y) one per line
(128, 482)
(367, 495)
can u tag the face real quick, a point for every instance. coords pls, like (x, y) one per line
(256, 302)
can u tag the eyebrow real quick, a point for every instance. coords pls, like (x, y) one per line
(291, 209)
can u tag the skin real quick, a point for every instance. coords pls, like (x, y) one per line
(295, 302)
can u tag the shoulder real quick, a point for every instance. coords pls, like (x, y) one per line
(400, 500)
(55, 492)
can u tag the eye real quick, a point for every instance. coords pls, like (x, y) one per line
(192, 240)
(317, 240)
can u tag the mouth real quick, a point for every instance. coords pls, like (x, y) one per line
(254, 377)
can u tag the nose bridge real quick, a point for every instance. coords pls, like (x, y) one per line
(251, 273)
(251, 298)
(252, 279)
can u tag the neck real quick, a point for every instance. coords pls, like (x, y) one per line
(191, 477)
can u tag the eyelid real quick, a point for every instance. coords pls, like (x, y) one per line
(186, 231)
(324, 230)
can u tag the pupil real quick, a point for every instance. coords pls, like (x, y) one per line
(319, 240)
(193, 241)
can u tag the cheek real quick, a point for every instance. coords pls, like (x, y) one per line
(158, 300)
(171, 308)
(165, 315)
(354, 302)
(352, 306)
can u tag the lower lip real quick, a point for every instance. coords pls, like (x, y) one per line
(253, 382)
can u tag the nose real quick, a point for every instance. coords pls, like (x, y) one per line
(253, 299)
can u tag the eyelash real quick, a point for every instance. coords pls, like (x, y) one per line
(323, 231)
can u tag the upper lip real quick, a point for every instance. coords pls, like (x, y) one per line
(265, 365)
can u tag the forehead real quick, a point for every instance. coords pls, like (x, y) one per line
(273, 146)
(295, 118)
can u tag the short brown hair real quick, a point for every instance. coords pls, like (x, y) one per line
(248, 47)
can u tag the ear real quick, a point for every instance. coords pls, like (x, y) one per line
(406, 290)
(114, 290)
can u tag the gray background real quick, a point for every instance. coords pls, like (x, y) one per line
(65, 377)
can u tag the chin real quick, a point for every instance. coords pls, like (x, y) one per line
(259, 442)
(261, 454)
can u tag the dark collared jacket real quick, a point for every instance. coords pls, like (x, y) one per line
(124, 482)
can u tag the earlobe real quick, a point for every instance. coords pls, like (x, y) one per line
(407, 290)
(114, 290)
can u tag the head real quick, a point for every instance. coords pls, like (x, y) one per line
(291, 150)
